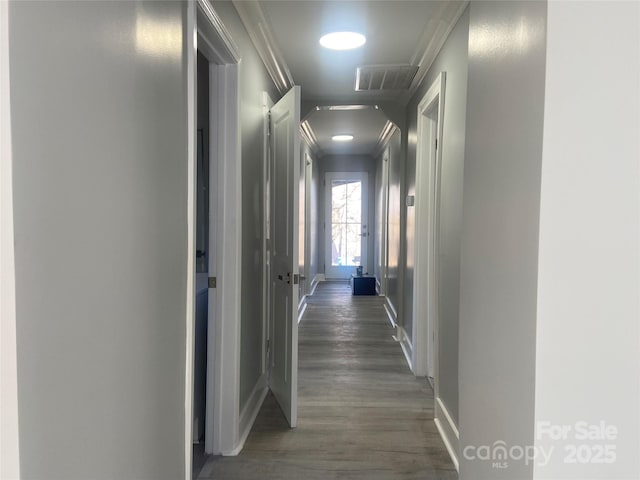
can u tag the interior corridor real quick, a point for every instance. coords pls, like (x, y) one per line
(362, 413)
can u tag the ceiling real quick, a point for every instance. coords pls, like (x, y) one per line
(364, 125)
(286, 34)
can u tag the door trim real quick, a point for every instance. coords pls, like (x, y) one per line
(428, 159)
(384, 224)
(205, 31)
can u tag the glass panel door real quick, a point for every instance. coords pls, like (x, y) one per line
(345, 224)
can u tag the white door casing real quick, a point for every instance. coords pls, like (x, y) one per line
(384, 224)
(308, 165)
(208, 34)
(285, 155)
(428, 158)
(339, 268)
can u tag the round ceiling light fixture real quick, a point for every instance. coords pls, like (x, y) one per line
(343, 40)
(343, 137)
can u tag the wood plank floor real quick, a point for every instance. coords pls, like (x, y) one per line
(361, 415)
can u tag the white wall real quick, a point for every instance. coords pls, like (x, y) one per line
(587, 347)
(499, 248)
(9, 429)
(99, 119)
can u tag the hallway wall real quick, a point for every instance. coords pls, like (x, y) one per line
(587, 344)
(346, 163)
(99, 119)
(254, 80)
(499, 247)
(452, 59)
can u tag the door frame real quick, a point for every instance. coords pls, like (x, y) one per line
(364, 177)
(308, 180)
(384, 223)
(205, 31)
(427, 192)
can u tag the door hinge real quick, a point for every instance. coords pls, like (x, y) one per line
(213, 282)
(436, 143)
(269, 124)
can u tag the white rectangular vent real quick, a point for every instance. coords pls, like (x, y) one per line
(384, 77)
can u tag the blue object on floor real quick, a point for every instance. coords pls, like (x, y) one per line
(365, 285)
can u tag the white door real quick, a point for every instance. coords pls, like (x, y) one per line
(285, 157)
(346, 224)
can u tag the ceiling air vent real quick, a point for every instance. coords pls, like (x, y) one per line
(384, 77)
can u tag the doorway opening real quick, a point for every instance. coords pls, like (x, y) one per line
(203, 259)
(213, 282)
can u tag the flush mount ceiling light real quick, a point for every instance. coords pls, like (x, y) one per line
(342, 138)
(342, 40)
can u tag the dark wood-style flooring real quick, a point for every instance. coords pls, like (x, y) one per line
(361, 413)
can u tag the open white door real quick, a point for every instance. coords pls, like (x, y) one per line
(285, 158)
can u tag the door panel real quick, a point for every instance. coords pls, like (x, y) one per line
(346, 223)
(285, 158)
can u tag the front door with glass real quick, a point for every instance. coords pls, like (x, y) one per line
(346, 225)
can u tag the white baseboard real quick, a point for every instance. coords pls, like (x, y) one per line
(407, 347)
(319, 277)
(302, 306)
(249, 414)
(391, 312)
(448, 431)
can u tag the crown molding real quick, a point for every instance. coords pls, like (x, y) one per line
(261, 34)
(432, 41)
(225, 49)
(310, 137)
(385, 135)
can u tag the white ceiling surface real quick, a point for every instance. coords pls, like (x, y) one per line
(364, 125)
(398, 32)
(394, 31)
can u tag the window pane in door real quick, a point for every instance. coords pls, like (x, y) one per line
(338, 202)
(353, 244)
(354, 202)
(338, 244)
(346, 222)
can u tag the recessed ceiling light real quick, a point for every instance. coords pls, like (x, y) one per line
(342, 40)
(342, 138)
